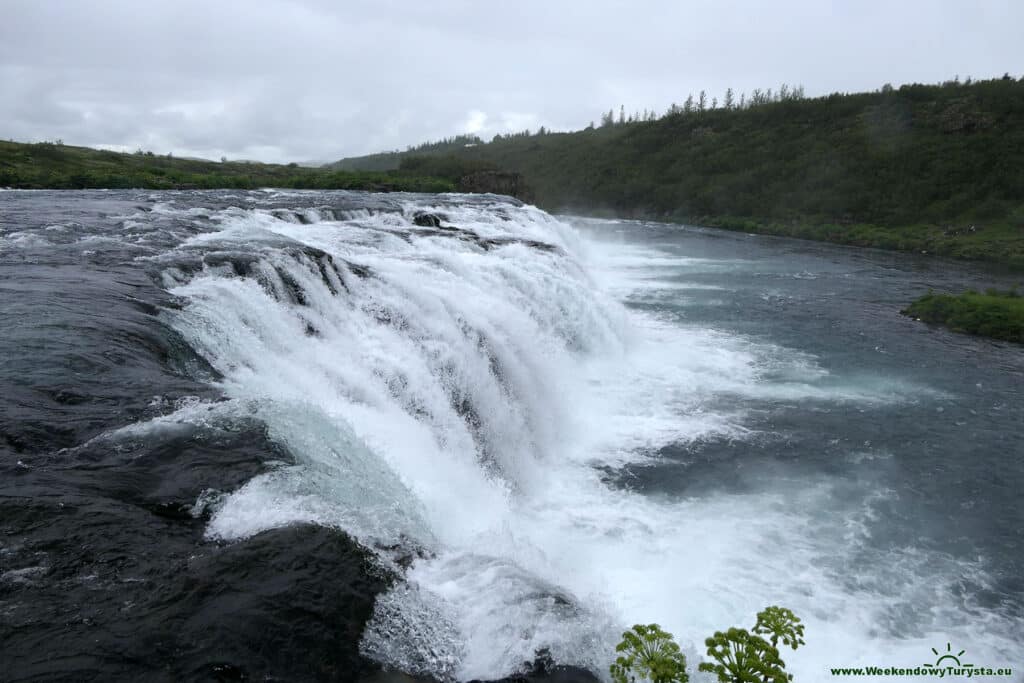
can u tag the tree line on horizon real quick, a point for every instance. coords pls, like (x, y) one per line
(933, 168)
(701, 103)
(693, 104)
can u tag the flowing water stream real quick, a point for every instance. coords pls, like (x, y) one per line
(548, 428)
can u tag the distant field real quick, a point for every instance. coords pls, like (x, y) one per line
(58, 166)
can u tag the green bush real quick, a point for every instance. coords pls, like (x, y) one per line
(742, 656)
(650, 653)
(995, 314)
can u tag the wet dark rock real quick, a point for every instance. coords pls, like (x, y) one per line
(227, 672)
(297, 614)
(97, 359)
(288, 604)
(427, 220)
(485, 243)
(292, 289)
(291, 216)
(496, 242)
(404, 554)
(241, 263)
(543, 669)
(358, 270)
(546, 671)
(390, 676)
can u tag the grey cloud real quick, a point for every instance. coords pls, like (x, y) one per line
(314, 79)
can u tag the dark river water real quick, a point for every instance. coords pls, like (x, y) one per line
(305, 435)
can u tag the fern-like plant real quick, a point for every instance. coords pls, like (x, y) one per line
(744, 657)
(649, 654)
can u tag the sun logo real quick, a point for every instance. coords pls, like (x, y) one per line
(948, 658)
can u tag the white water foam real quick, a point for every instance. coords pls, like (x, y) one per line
(464, 401)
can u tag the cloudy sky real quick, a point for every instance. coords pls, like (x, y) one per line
(284, 80)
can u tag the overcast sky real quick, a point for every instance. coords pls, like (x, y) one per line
(295, 80)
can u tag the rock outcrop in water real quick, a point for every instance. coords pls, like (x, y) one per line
(106, 573)
(427, 220)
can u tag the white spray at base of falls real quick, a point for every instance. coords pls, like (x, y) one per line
(461, 393)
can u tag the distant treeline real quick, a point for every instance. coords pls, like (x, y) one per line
(935, 168)
(58, 166)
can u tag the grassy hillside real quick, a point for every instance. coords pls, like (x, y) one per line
(936, 168)
(54, 165)
(386, 161)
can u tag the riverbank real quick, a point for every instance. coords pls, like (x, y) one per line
(997, 243)
(999, 315)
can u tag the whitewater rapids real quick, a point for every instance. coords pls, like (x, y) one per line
(461, 386)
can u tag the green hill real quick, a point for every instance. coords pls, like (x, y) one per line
(934, 168)
(59, 166)
(389, 161)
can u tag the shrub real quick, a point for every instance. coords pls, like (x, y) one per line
(741, 656)
(647, 653)
(651, 654)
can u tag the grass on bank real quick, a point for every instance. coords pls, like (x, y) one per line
(53, 165)
(995, 314)
(1001, 243)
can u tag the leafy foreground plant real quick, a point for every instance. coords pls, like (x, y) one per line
(650, 654)
(742, 656)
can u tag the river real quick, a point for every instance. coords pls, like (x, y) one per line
(538, 429)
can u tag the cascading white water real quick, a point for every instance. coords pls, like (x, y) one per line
(456, 393)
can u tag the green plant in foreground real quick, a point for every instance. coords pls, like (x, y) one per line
(648, 653)
(651, 654)
(741, 656)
